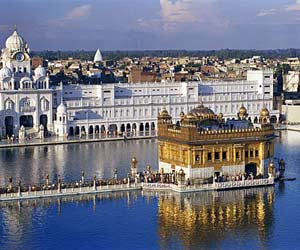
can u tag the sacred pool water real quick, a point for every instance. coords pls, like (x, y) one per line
(260, 218)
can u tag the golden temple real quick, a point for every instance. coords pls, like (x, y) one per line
(204, 145)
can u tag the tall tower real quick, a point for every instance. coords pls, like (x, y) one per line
(15, 55)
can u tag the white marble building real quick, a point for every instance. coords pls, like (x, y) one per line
(25, 97)
(134, 107)
(26, 100)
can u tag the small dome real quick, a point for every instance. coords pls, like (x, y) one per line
(201, 111)
(164, 112)
(133, 160)
(5, 72)
(264, 112)
(15, 42)
(40, 71)
(98, 56)
(242, 110)
(62, 109)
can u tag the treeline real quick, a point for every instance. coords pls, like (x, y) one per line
(118, 54)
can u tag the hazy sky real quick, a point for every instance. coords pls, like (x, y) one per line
(152, 24)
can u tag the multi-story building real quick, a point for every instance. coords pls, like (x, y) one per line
(203, 145)
(25, 98)
(134, 107)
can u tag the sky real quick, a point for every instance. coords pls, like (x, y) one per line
(152, 24)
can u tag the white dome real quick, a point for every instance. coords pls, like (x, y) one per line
(98, 56)
(40, 71)
(61, 109)
(15, 42)
(5, 72)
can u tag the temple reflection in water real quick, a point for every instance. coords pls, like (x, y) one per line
(207, 219)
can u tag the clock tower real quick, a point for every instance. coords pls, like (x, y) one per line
(15, 55)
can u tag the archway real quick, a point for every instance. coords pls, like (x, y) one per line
(91, 130)
(122, 129)
(26, 121)
(71, 131)
(255, 119)
(152, 126)
(147, 127)
(112, 129)
(102, 129)
(44, 122)
(9, 125)
(97, 129)
(128, 127)
(83, 129)
(141, 127)
(273, 119)
(251, 168)
(77, 130)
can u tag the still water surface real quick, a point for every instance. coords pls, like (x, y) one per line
(261, 218)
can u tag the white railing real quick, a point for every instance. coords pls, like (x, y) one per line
(69, 191)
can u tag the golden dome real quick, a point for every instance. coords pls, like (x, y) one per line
(202, 111)
(242, 110)
(164, 112)
(264, 112)
(133, 160)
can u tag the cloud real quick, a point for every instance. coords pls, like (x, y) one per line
(78, 12)
(74, 14)
(5, 27)
(265, 12)
(190, 14)
(294, 7)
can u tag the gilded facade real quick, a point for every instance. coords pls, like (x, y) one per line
(204, 145)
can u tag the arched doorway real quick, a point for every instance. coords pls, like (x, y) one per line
(273, 119)
(152, 126)
(91, 130)
(128, 127)
(112, 129)
(97, 129)
(251, 168)
(77, 130)
(26, 121)
(122, 129)
(44, 122)
(147, 127)
(141, 127)
(102, 129)
(71, 131)
(9, 125)
(255, 119)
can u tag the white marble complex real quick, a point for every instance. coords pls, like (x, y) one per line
(25, 96)
(27, 100)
